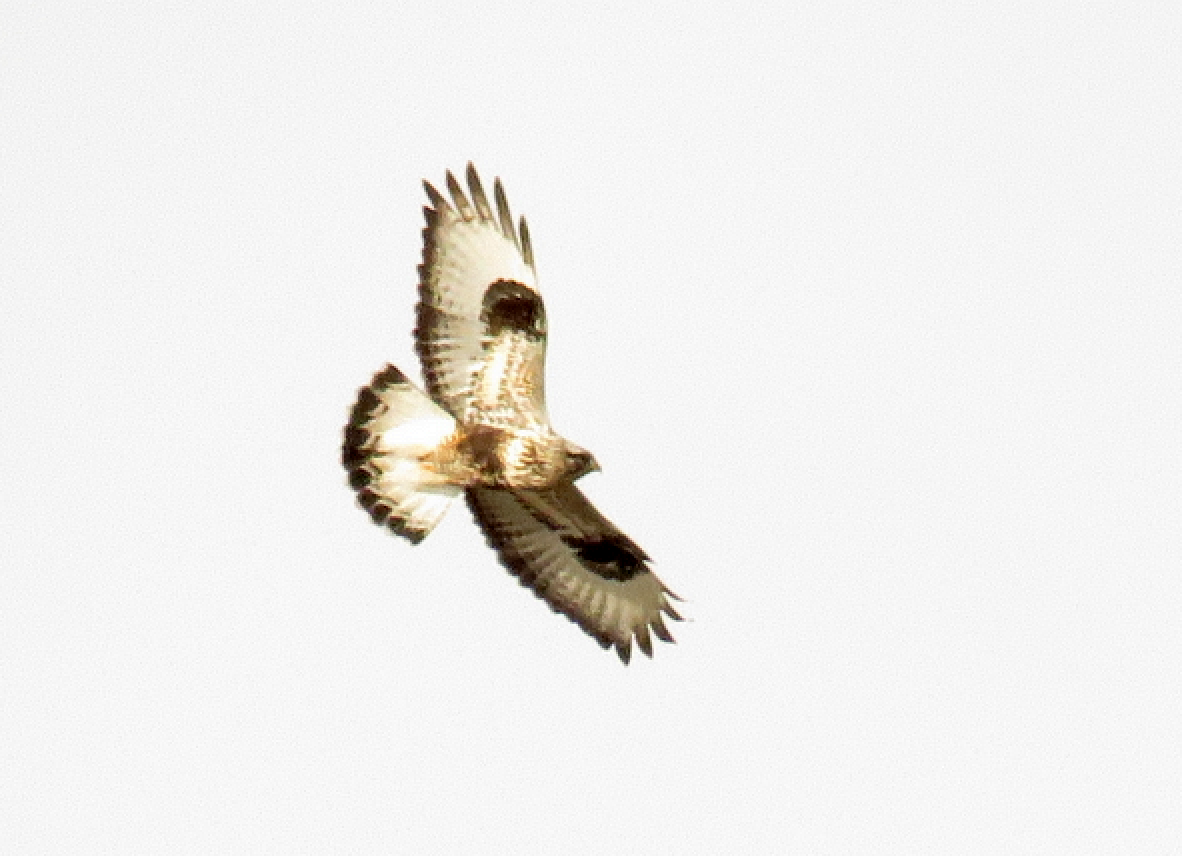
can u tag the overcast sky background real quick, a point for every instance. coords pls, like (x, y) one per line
(872, 316)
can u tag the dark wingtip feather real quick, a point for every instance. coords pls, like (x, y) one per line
(503, 212)
(477, 191)
(438, 202)
(644, 642)
(527, 247)
(624, 649)
(661, 631)
(457, 195)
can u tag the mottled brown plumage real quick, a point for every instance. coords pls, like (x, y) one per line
(482, 429)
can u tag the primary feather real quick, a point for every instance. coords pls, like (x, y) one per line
(482, 429)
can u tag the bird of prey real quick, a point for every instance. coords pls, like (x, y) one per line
(481, 429)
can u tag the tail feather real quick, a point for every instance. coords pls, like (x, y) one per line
(392, 425)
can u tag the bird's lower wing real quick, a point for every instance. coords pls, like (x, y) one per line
(571, 556)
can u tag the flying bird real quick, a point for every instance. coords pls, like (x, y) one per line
(481, 429)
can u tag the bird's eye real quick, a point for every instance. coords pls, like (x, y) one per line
(580, 463)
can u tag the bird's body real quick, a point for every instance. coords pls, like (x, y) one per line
(482, 429)
(479, 455)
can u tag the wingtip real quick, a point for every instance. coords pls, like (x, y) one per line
(476, 189)
(438, 202)
(527, 246)
(457, 195)
(503, 213)
(661, 631)
(644, 641)
(624, 650)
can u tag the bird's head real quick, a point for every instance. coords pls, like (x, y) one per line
(579, 462)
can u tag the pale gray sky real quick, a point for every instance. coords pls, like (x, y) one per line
(870, 313)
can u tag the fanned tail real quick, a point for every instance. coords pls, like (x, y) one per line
(392, 427)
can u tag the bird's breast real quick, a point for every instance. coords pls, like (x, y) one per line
(493, 456)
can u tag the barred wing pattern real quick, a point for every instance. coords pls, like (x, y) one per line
(481, 332)
(557, 544)
(481, 428)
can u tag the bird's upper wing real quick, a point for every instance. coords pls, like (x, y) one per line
(481, 331)
(572, 557)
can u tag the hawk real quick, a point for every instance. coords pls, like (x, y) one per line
(481, 429)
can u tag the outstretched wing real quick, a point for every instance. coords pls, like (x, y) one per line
(557, 544)
(481, 332)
